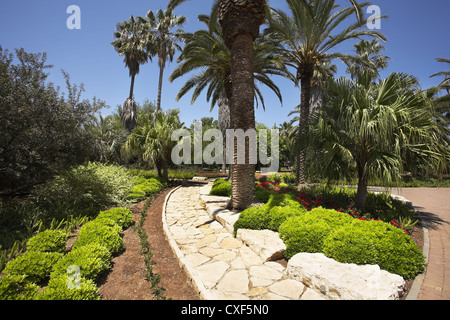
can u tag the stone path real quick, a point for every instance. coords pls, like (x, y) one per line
(221, 266)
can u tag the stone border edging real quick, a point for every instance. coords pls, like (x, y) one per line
(198, 284)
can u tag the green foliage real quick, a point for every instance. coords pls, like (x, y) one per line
(48, 241)
(43, 131)
(103, 234)
(122, 216)
(35, 265)
(92, 259)
(221, 187)
(16, 287)
(271, 215)
(145, 188)
(58, 289)
(349, 240)
(307, 232)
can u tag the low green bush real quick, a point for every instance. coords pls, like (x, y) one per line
(349, 240)
(16, 287)
(92, 259)
(122, 216)
(35, 265)
(352, 245)
(221, 187)
(58, 289)
(48, 241)
(145, 188)
(104, 232)
(278, 209)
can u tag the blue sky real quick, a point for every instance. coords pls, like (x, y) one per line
(417, 33)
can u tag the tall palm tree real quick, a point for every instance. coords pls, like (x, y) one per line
(130, 42)
(240, 22)
(373, 129)
(310, 35)
(370, 59)
(206, 51)
(162, 41)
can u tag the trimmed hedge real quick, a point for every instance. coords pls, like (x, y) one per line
(92, 259)
(379, 243)
(349, 240)
(221, 187)
(278, 209)
(16, 287)
(35, 265)
(104, 232)
(58, 289)
(48, 241)
(121, 216)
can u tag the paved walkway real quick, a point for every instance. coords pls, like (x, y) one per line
(434, 209)
(221, 266)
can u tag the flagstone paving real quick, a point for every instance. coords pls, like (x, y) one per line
(221, 266)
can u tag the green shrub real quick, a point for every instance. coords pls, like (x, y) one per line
(122, 216)
(137, 193)
(398, 253)
(145, 188)
(376, 242)
(255, 218)
(263, 194)
(352, 245)
(16, 287)
(58, 289)
(308, 231)
(103, 234)
(35, 265)
(48, 241)
(92, 259)
(221, 187)
(278, 208)
(299, 236)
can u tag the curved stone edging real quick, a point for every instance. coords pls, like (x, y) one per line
(198, 284)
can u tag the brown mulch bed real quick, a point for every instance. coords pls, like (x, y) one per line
(126, 280)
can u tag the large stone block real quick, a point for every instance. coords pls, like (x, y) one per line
(266, 243)
(343, 281)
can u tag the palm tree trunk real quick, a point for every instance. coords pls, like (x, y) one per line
(305, 83)
(240, 23)
(243, 175)
(363, 182)
(161, 74)
(132, 86)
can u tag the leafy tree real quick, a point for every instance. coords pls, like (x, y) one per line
(313, 30)
(373, 129)
(42, 130)
(130, 43)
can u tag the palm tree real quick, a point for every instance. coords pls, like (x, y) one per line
(371, 60)
(240, 21)
(310, 34)
(151, 140)
(130, 43)
(373, 129)
(206, 50)
(162, 41)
